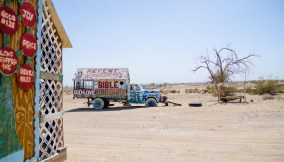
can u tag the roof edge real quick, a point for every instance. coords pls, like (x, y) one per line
(58, 25)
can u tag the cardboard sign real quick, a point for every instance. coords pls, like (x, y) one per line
(25, 77)
(29, 45)
(8, 61)
(8, 20)
(28, 14)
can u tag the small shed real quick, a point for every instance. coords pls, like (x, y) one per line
(32, 39)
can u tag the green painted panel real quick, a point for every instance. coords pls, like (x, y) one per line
(9, 142)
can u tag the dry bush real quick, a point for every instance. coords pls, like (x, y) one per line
(268, 97)
(164, 91)
(195, 90)
(174, 91)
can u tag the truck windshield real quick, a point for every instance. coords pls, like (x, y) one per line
(141, 87)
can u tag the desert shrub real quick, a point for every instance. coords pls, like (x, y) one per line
(266, 87)
(195, 90)
(212, 90)
(188, 91)
(174, 91)
(229, 90)
(280, 88)
(268, 97)
(164, 91)
(251, 91)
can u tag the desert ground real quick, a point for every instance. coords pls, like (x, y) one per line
(252, 131)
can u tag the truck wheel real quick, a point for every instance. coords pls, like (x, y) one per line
(151, 102)
(98, 103)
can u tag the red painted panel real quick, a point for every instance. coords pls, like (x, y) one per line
(28, 14)
(25, 77)
(8, 61)
(8, 20)
(29, 45)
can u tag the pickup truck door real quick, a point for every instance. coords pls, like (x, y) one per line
(136, 95)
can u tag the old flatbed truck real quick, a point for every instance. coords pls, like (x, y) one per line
(104, 85)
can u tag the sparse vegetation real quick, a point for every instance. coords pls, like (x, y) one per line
(251, 91)
(164, 91)
(174, 91)
(266, 86)
(224, 64)
(268, 97)
(212, 90)
(229, 90)
(195, 90)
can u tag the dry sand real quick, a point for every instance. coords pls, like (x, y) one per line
(213, 132)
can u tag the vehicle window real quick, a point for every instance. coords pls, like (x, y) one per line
(134, 87)
(84, 85)
(88, 84)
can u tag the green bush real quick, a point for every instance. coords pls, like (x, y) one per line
(195, 90)
(212, 90)
(188, 91)
(280, 88)
(229, 90)
(251, 91)
(174, 91)
(266, 87)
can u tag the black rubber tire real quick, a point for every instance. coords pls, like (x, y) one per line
(151, 102)
(195, 104)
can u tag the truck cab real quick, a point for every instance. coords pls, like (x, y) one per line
(139, 95)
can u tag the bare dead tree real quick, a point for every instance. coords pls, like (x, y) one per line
(224, 64)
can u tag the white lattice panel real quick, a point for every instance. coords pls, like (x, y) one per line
(51, 100)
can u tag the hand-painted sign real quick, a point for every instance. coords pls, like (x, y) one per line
(85, 92)
(8, 20)
(95, 74)
(25, 77)
(111, 92)
(114, 93)
(108, 84)
(28, 44)
(8, 60)
(28, 14)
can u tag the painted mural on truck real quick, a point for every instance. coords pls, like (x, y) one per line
(101, 83)
(139, 95)
(101, 88)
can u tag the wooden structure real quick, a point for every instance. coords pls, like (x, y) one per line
(53, 40)
(31, 42)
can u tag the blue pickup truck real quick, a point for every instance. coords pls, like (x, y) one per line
(104, 85)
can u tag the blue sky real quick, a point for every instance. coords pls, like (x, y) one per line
(159, 40)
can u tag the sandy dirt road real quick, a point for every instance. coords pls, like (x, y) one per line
(213, 132)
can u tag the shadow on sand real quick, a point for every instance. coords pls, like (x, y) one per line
(105, 109)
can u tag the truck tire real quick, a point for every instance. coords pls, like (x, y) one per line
(195, 104)
(98, 103)
(151, 102)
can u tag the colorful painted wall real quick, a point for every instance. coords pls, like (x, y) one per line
(18, 49)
